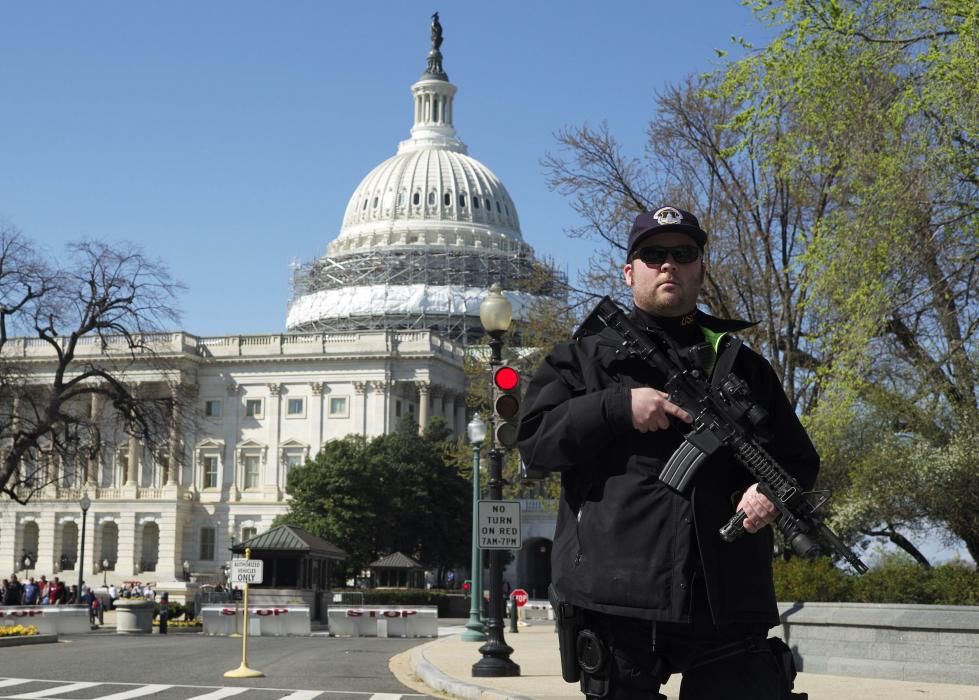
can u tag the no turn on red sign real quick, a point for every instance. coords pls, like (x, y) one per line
(499, 525)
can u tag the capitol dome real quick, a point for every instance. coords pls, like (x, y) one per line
(424, 235)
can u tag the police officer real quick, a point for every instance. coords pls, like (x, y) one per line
(657, 590)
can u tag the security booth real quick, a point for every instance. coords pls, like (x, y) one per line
(397, 571)
(296, 568)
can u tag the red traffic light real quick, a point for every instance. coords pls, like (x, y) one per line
(506, 378)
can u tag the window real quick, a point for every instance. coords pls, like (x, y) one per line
(210, 467)
(397, 408)
(207, 544)
(416, 199)
(248, 532)
(251, 469)
(475, 202)
(375, 202)
(431, 199)
(293, 459)
(253, 408)
(497, 206)
(295, 408)
(212, 408)
(462, 201)
(338, 406)
(447, 199)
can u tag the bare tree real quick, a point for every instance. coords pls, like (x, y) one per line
(85, 327)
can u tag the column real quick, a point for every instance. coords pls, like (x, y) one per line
(132, 467)
(92, 463)
(46, 556)
(459, 424)
(381, 406)
(424, 391)
(231, 429)
(128, 557)
(173, 456)
(360, 388)
(316, 414)
(438, 401)
(274, 416)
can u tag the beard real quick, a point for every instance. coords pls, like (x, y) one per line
(660, 302)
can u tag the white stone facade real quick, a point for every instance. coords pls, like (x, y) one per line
(257, 406)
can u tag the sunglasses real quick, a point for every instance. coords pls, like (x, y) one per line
(656, 255)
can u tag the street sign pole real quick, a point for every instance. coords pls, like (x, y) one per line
(243, 671)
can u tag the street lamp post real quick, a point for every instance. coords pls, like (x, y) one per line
(495, 313)
(105, 570)
(85, 504)
(475, 631)
(186, 570)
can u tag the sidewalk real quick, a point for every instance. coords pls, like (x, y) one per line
(445, 665)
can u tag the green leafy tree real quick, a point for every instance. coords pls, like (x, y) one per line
(885, 92)
(396, 492)
(836, 169)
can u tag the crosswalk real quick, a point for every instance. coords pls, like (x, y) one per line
(31, 689)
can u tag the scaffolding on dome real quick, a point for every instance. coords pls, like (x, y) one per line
(404, 266)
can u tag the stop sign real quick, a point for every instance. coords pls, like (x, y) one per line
(520, 595)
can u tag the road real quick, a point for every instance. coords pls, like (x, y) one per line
(192, 666)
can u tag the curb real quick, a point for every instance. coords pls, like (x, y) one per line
(28, 639)
(435, 679)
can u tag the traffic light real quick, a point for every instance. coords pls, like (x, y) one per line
(506, 405)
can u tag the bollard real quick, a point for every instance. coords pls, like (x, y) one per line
(164, 611)
(513, 614)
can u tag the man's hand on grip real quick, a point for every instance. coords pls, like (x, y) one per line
(652, 409)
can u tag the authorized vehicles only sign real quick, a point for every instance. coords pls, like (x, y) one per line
(246, 571)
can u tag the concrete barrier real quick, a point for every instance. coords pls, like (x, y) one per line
(537, 610)
(929, 643)
(263, 621)
(383, 621)
(48, 619)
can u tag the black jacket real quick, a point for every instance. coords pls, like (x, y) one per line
(626, 544)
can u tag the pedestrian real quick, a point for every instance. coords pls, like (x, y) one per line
(113, 596)
(13, 592)
(656, 590)
(56, 591)
(42, 589)
(30, 592)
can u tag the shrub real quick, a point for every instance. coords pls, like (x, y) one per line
(799, 580)
(897, 579)
(956, 583)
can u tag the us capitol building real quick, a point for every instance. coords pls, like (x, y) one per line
(376, 334)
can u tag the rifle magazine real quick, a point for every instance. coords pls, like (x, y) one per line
(682, 466)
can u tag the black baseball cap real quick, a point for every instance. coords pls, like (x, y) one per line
(662, 220)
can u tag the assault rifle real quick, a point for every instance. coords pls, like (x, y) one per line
(724, 415)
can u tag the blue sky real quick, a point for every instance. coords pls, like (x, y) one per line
(226, 137)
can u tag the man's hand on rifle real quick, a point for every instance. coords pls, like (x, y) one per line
(758, 509)
(651, 410)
